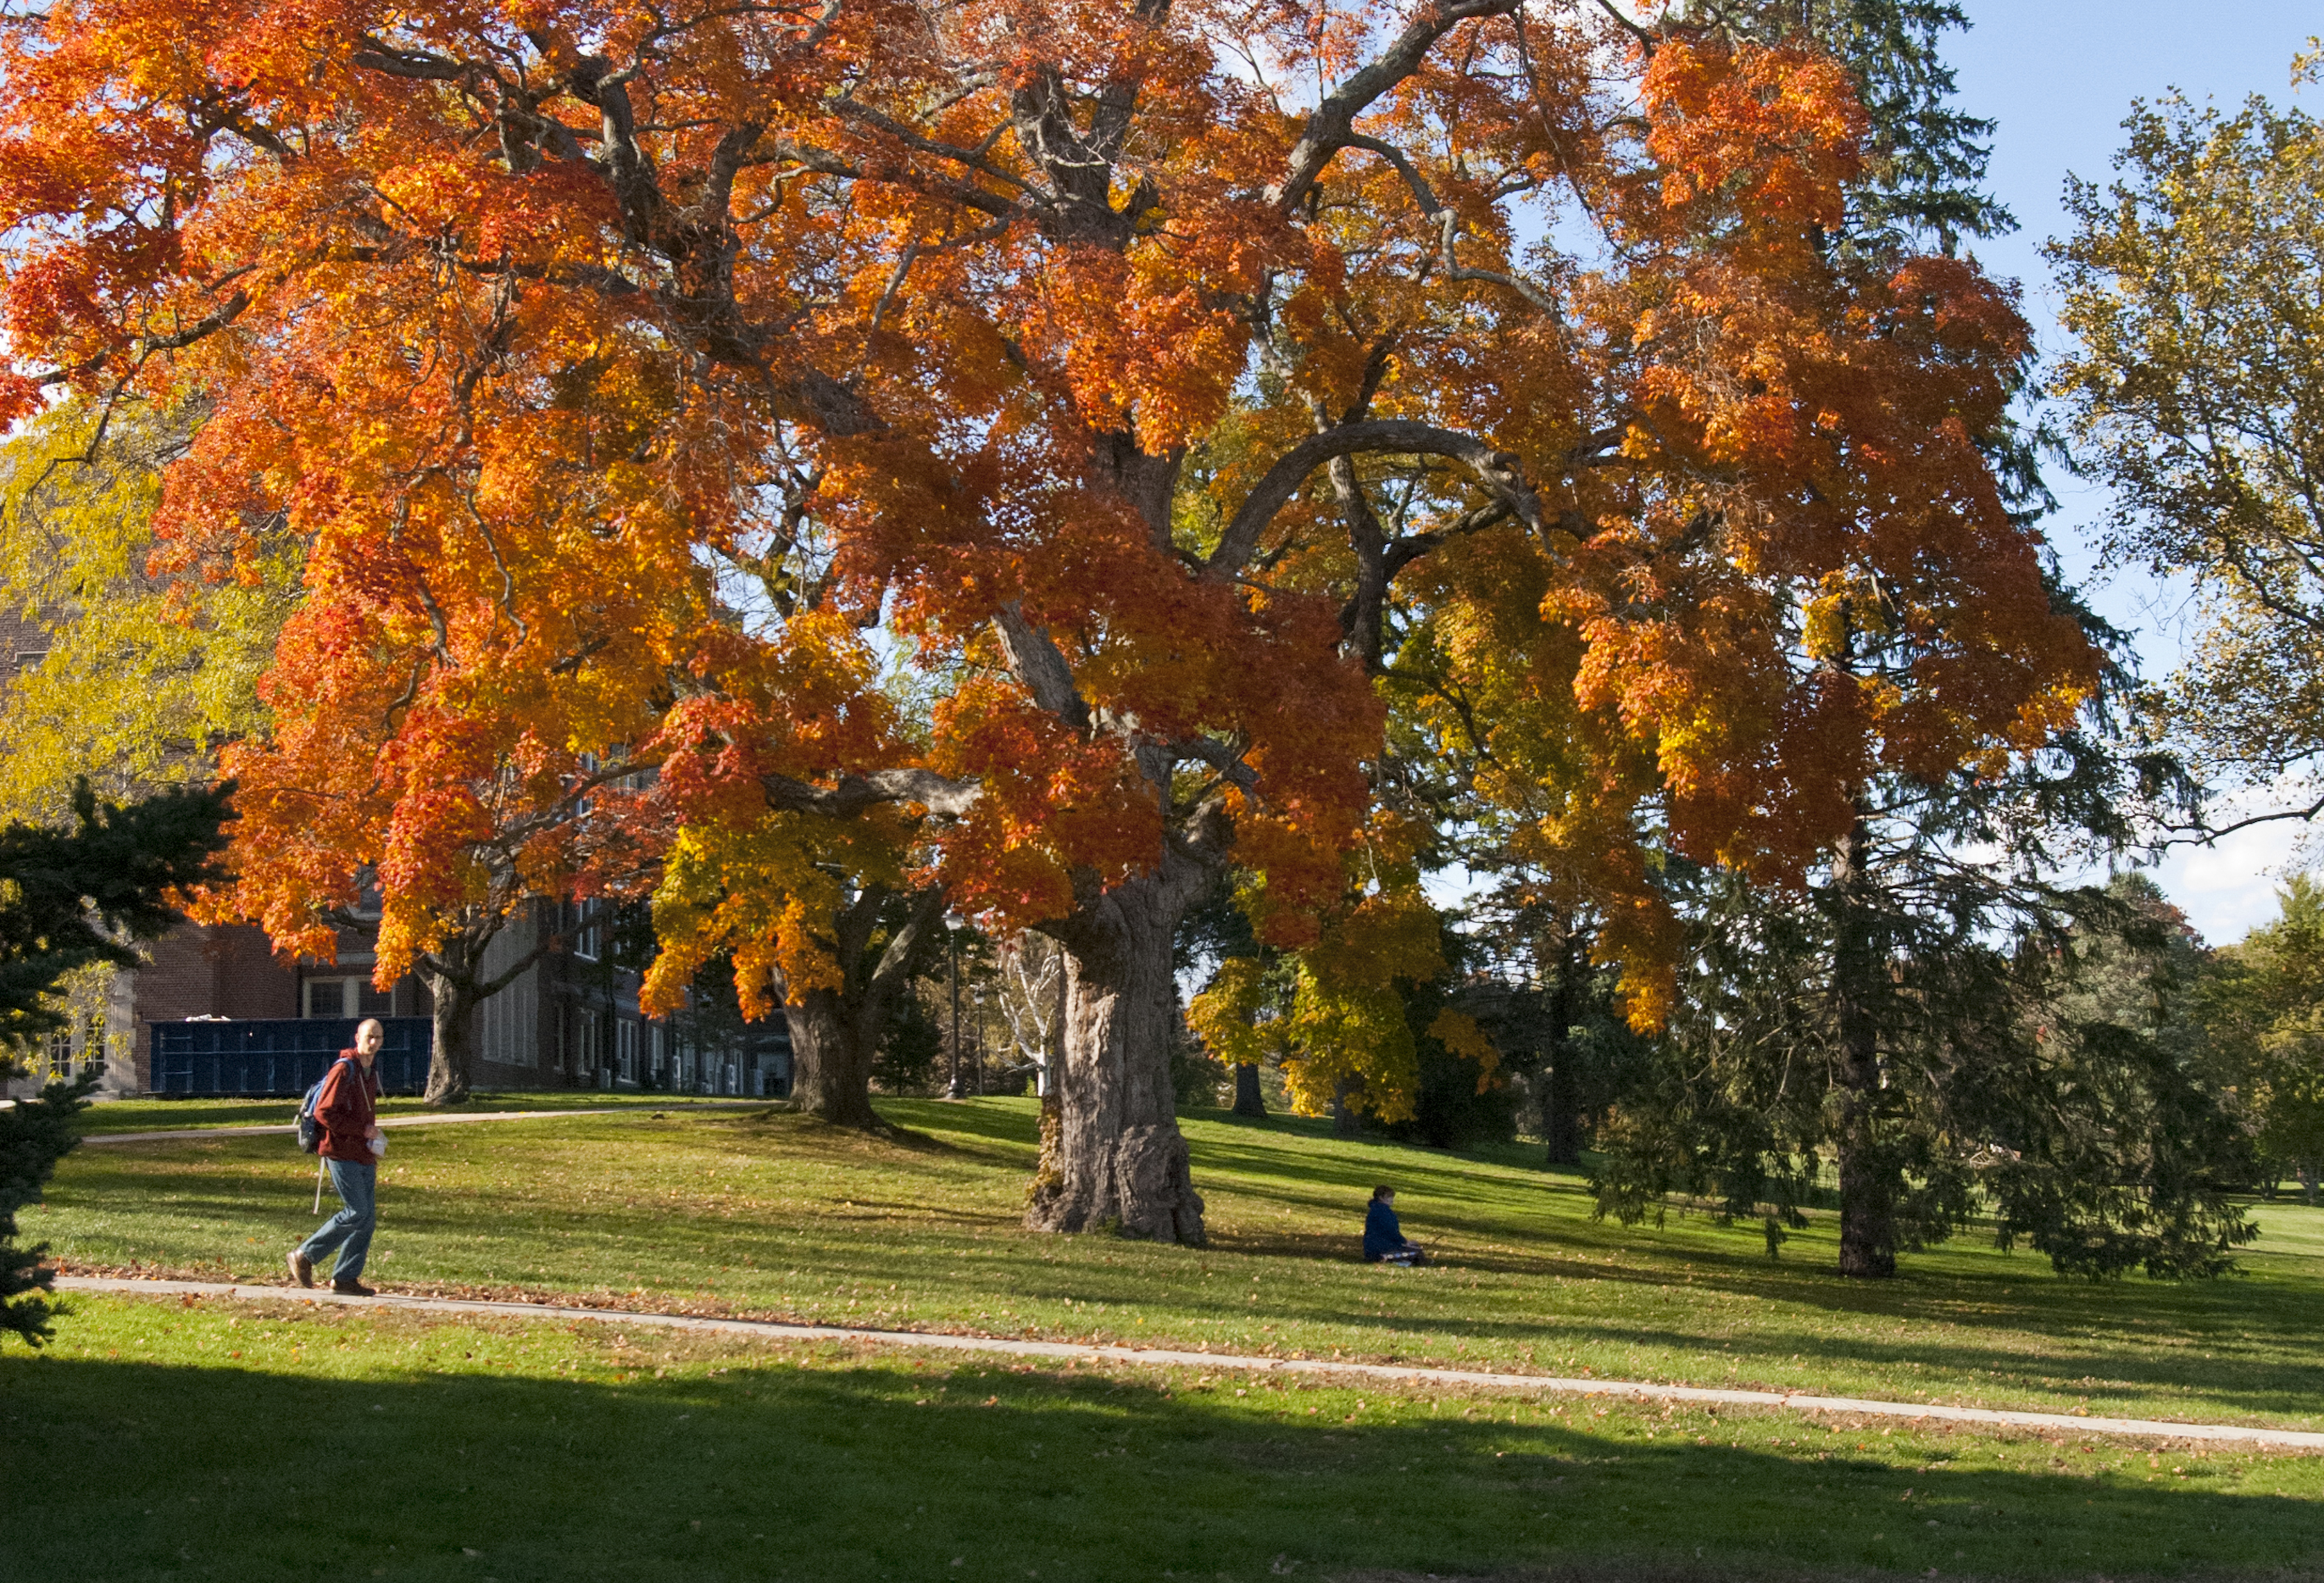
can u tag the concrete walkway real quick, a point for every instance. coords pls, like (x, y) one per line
(767, 1330)
(97, 1138)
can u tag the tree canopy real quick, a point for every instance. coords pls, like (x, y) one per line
(2195, 393)
(1147, 372)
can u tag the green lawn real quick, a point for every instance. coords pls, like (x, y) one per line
(204, 1441)
(770, 1214)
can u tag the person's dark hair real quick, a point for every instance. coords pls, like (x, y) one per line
(1382, 1192)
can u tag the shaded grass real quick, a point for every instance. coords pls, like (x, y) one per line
(777, 1216)
(204, 1440)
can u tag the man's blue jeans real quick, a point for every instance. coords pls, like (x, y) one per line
(349, 1230)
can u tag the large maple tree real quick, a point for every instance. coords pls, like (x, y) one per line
(1141, 366)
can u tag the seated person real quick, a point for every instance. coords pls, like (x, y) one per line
(1384, 1240)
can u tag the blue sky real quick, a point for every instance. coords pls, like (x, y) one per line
(2059, 76)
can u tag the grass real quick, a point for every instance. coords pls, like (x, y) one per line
(775, 1215)
(199, 1439)
(146, 1114)
(578, 1460)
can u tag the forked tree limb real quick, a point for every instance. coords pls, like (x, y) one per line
(1497, 471)
(1331, 123)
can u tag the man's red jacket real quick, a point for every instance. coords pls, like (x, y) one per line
(345, 1110)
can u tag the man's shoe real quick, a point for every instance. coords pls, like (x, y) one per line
(302, 1268)
(352, 1289)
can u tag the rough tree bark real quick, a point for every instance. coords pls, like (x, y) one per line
(1248, 1101)
(453, 974)
(1112, 1156)
(452, 1063)
(836, 1033)
(1868, 1179)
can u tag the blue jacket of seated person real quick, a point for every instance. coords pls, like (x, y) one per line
(1382, 1235)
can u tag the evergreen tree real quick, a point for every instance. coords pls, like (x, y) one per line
(1924, 179)
(1935, 1037)
(68, 899)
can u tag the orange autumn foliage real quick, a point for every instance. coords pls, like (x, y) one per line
(546, 321)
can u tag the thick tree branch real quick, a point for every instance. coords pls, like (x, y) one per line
(1328, 127)
(854, 794)
(1036, 662)
(1497, 471)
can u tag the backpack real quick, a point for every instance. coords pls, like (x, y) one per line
(310, 1131)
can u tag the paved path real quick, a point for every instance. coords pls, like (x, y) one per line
(445, 1121)
(937, 1341)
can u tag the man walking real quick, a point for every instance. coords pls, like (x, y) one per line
(352, 1145)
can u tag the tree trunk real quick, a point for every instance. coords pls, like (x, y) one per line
(452, 1063)
(1561, 1123)
(1345, 1122)
(836, 1033)
(831, 1063)
(1248, 1101)
(1867, 1178)
(1114, 1156)
(2306, 1172)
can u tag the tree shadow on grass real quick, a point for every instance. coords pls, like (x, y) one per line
(845, 1469)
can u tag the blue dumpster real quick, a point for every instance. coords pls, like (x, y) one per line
(280, 1055)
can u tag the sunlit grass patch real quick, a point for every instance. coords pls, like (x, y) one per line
(774, 1215)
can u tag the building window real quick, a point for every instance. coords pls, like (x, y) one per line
(625, 1049)
(589, 931)
(585, 1040)
(60, 1054)
(331, 997)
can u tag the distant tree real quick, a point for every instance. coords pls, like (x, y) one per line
(2264, 1007)
(1217, 948)
(69, 898)
(911, 1046)
(2194, 288)
(1557, 1019)
(1337, 1017)
(1461, 1095)
(1031, 993)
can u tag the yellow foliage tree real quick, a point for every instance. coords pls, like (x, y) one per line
(141, 678)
